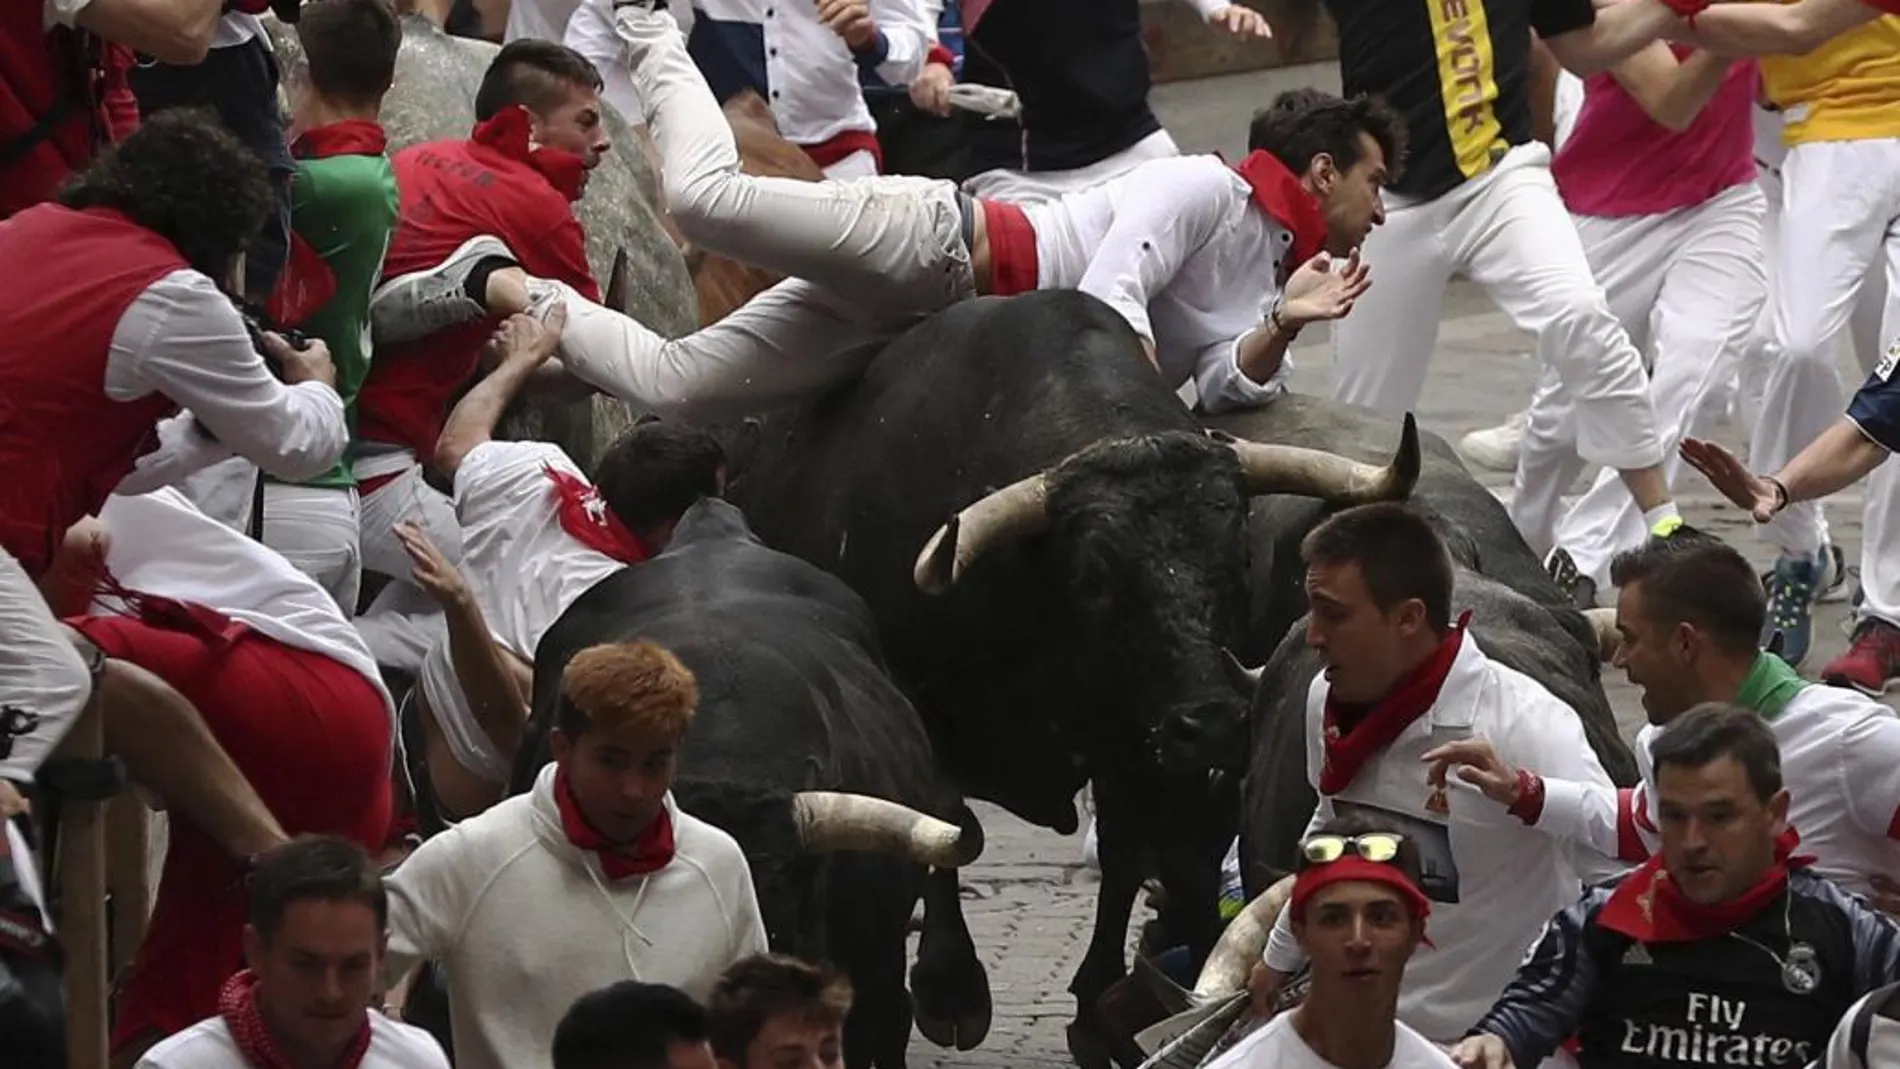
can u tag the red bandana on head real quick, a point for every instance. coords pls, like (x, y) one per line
(650, 853)
(585, 515)
(351, 137)
(1352, 867)
(237, 1004)
(508, 132)
(1648, 905)
(1279, 193)
(1347, 751)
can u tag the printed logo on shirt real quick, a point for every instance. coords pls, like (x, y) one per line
(1438, 869)
(15, 722)
(1884, 369)
(1637, 954)
(1711, 1032)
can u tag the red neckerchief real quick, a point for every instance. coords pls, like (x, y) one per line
(652, 852)
(507, 132)
(585, 515)
(1413, 696)
(971, 13)
(1648, 906)
(304, 286)
(1279, 193)
(237, 1004)
(350, 137)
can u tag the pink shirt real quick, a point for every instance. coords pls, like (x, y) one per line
(1620, 162)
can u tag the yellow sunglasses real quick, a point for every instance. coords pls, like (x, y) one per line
(1375, 846)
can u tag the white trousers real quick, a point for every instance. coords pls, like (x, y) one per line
(1508, 231)
(865, 259)
(1840, 220)
(318, 529)
(404, 622)
(1035, 187)
(43, 684)
(1690, 286)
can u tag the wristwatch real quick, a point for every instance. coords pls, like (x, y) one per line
(1781, 493)
(1277, 320)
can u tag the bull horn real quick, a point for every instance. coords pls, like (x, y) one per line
(835, 820)
(1603, 622)
(617, 280)
(1231, 961)
(1245, 680)
(1286, 469)
(1019, 509)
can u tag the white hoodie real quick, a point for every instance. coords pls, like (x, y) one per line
(524, 922)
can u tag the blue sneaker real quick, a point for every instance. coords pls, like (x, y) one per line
(1793, 587)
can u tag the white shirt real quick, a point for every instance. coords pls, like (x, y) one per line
(208, 1045)
(1278, 1045)
(1840, 760)
(161, 544)
(1507, 879)
(183, 338)
(811, 76)
(525, 567)
(526, 923)
(1179, 248)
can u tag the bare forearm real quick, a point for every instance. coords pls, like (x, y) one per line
(1261, 353)
(1831, 462)
(1619, 32)
(476, 415)
(1673, 94)
(172, 31)
(481, 668)
(1776, 29)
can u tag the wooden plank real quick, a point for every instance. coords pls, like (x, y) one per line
(1181, 46)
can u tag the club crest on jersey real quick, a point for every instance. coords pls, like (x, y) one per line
(1884, 369)
(1801, 969)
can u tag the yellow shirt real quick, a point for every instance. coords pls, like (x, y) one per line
(1846, 90)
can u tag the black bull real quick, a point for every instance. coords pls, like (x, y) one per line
(1519, 616)
(794, 698)
(1081, 618)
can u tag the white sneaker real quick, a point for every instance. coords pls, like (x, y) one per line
(1496, 448)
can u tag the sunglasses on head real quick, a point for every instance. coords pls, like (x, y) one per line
(1378, 846)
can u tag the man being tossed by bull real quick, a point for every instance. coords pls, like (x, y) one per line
(1216, 268)
(1724, 949)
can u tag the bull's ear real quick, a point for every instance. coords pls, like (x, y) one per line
(937, 571)
(1245, 680)
(617, 281)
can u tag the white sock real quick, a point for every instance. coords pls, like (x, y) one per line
(1652, 518)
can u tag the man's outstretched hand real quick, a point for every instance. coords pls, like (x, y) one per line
(1725, 472)
(1242, 22)
(1317, 292)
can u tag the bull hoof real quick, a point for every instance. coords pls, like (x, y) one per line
(952, 1006)
(1088, 1048)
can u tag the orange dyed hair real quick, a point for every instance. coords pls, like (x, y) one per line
(627, 684)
